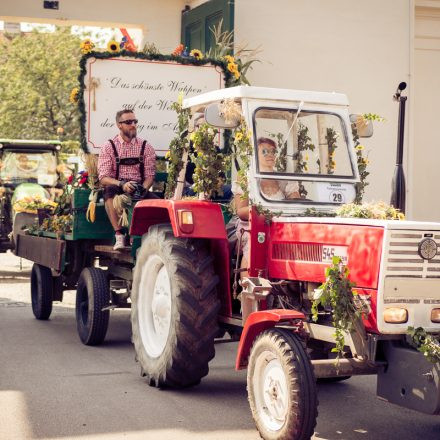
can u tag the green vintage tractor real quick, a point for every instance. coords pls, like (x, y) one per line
(27, 169)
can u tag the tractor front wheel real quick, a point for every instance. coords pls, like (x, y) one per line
(174, 308)
(281, 387)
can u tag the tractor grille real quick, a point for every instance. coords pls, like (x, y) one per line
(297, 252)
(402, 258)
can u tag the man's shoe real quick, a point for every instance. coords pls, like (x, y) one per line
(119, 242)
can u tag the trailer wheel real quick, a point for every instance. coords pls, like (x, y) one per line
(41, 291)
(92, 294)
(174, 308)
(281, 387)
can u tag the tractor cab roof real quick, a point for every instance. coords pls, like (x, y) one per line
(265, 93)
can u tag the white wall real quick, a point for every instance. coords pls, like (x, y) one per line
(359, 48)
(425, 156)
(159, 19)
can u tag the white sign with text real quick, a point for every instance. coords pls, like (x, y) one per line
(148, 88)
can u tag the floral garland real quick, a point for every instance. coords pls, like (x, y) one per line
(337, 293)
(208, 160)
(178, 145)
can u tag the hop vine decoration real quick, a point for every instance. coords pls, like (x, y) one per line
(331, 138)
(362, 163)
(281, 159)
(178, 145)
(208, 160)
(243, 153)
(379, 211)
(336, 293)
(425, 343)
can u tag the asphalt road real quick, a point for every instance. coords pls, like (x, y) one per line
(53, 387)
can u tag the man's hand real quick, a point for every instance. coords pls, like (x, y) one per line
(129, 187)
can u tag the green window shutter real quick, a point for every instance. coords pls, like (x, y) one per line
(197, 22)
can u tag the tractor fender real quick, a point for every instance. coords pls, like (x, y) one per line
(207, 217)
(256, 323)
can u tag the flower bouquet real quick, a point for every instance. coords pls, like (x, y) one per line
(31, 205)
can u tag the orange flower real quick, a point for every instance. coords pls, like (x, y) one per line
(178, 50)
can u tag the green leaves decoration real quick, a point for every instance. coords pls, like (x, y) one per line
(425, 343)
(336, 294)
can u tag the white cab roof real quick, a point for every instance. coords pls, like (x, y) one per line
(267, 93)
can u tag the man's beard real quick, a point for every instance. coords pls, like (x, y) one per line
(131, 134)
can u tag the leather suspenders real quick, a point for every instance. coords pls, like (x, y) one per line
(130, 160)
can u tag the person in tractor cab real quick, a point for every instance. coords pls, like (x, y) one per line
(125, 162)
(270, 188)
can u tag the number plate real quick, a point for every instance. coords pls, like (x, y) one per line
(328, 252)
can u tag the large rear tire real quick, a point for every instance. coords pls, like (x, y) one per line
(41, 291)
(92, 294)
(174, 308)
(282, 387)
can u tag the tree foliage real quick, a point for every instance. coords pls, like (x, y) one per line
(37, 73)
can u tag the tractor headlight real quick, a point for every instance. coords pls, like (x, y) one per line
(395, 315)
(435, 315)
(186, 222)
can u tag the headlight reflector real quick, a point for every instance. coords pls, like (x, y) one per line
(395, 315)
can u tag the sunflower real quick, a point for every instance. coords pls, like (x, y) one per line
(359, 147)
(73, 98)
(237, 74)
(86, 46)
(197, 54)
(229, 59)
(232, 67)
(113, 46)
(238, 137)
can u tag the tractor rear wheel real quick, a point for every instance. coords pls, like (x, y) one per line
(281, 387)
(174, 308)
(92, 295)
(41, 291)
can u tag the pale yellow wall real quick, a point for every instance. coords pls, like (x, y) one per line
(159, 19)
(426, 152)
(356, 47)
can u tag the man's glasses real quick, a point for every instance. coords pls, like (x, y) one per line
(129, 121)
(268, 151)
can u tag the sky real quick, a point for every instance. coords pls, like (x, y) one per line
(100, 36)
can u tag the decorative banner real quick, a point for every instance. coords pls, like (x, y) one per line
(148, 88)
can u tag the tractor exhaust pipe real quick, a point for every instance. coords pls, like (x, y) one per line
(398, 187)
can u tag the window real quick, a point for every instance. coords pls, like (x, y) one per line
(306, 144)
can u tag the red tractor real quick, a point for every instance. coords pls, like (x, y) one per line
(183, 294)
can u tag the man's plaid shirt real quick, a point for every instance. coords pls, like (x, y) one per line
(107, 161)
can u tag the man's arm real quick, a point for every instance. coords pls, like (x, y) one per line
(148, 182)
(149, 167)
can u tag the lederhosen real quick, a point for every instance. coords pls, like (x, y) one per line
(111, 190)
(130, 160)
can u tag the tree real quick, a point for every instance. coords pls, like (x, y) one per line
(37, 73)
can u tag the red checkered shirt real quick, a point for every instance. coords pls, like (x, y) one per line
(107, 161)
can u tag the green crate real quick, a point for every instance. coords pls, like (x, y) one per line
(100, 229)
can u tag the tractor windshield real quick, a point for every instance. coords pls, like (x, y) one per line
(311, 148)
(22, 166)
